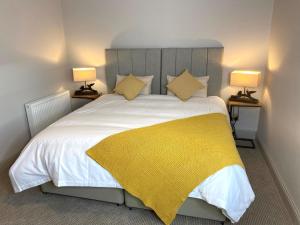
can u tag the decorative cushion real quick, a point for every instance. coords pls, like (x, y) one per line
(200, 93)
(184, 86)
(130, 87)
(146, 79)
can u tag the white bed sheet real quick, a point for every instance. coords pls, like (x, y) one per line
(58, 153)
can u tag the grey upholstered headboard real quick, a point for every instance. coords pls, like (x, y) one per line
(199, 61)
(167, 61)
(137, 61)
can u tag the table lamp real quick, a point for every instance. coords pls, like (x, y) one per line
(84, 75)
(245, 79)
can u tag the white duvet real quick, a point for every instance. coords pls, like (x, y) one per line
(58, 153)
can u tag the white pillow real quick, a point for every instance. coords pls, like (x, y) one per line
(200, 93)
(146, 79)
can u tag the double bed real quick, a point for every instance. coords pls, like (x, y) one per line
(56, 157)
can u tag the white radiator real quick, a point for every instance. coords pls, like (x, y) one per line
(45, 111)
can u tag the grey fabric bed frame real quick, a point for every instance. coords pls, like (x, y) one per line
(160, 63)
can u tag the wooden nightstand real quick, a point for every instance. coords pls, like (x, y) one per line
(234, 117)
(90, 97)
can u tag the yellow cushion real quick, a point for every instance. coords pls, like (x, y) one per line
(130, 87)
(185, 85)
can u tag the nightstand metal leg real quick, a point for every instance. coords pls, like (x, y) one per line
(233, 119)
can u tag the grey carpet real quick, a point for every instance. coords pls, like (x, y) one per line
(31, 207)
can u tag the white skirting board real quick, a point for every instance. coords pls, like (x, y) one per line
(292, 207)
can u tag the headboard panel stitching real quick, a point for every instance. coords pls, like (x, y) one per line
(160, 78)
(192, 51)
(131, 59)
(118, 64)
(206, 61)
(175, 60)
(146, 62)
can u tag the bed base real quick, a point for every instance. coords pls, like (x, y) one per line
(112, 195)
(191, 207)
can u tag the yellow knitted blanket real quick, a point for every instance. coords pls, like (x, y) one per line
(163, 163)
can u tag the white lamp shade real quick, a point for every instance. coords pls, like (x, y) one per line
(242, 78)
(84, 74)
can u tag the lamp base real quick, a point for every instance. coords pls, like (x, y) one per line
(245, 99)
(86, 90)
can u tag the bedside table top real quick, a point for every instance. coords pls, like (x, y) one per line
(91, 97)
(243, 104)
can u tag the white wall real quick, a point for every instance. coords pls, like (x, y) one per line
(242, 27)
(32, 65)
(279, 130)
(33, 55)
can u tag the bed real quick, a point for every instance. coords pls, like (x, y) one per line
(56, 158)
